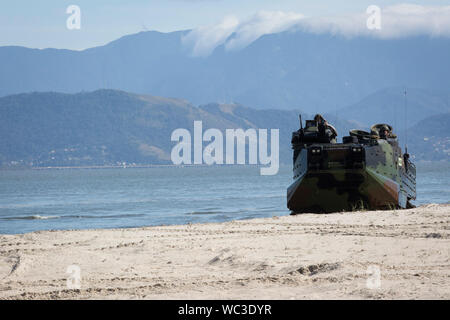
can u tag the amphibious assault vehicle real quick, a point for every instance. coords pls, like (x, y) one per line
(366, 171)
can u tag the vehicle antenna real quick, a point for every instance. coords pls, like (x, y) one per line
(406, 122)
(300, 118)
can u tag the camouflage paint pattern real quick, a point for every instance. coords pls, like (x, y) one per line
(334, 181)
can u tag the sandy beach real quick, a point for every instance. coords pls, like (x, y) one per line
(400, 254)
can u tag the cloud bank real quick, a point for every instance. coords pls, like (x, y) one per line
(264, 22)
(396, 21)
(236, 35)
(204, 40)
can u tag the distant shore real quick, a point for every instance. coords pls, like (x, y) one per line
(399, 254)
(168, 165)
(127, 166)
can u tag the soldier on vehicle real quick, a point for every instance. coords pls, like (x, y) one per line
(319, 118)
(325, 128)
(384, 132)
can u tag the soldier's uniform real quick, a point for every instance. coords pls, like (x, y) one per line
(326, 128)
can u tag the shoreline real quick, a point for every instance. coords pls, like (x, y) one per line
(130, 166)
(38, 217)
(168, 165)
(308, 256)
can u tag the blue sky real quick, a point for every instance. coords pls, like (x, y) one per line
(42, 24)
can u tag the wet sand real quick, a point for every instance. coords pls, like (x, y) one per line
(398, 254)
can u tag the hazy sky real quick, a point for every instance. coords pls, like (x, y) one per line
(42, 24)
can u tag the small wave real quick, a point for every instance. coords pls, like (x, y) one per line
(33, 217)
(92, 216)
(203, 212)
(39, 217)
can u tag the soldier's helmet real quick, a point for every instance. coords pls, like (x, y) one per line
(318, 118)
(384, 131)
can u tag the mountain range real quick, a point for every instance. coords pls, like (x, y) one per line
(111, 127)
(393, 106)
(286, 70)
(120, 102)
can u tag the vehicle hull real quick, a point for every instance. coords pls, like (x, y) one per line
(338, 190)
(333, 182)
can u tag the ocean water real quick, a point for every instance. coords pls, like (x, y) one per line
(32, 200)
